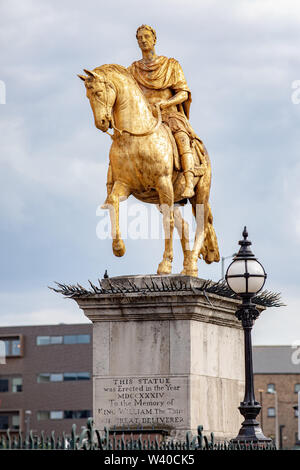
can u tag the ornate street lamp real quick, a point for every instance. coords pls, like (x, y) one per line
(246, 277)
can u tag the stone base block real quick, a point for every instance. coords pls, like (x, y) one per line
(165, 357)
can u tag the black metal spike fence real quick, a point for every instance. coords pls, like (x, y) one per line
(92, 439)
(265, 298)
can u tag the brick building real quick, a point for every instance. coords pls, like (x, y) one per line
(46, 381)
(277, 383)
(45, 377)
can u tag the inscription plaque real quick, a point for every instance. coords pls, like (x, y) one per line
(142, 401)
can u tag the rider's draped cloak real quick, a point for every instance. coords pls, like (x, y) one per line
(161, 74)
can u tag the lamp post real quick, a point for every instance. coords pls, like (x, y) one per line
(246, 277)
(274, 392)
(27, 422)
(281, 437)
(298, 416)
(223, 264)
(261, 391)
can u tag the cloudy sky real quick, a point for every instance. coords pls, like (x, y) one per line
(241, 60)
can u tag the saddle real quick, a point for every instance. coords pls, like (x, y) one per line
(198, 149)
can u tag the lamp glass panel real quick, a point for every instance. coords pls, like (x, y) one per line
(236, 268)
(237, 284)
(255, 283)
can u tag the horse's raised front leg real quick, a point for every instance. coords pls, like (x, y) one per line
(166, 198)
(119, 191)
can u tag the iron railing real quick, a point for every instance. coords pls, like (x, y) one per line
(92, 439)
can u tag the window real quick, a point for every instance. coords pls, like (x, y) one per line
(40, 340)
(84, 414)
(15, 422)
(41, 415)
(67, 414)
(2, 352)
(12, 346)
(76, 339)
(56, 339)
(271, 412)
(56, 377)
(66, 377)
(56, 414)
(44, 378)
(44, 340)
(3, 422)
(11, 384)
(76, 376)
(83, 339)
(83, 376)
(4, 385)
(296, 412)
(77, 414)
(67, 339)
(17, 384)
(15, 347)
(70, 376)
(9, 420)
(297, 388)
(271, 388)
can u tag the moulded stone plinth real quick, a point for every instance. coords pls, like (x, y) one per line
(165, 357)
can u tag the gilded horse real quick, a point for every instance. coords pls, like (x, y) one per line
(142, 164)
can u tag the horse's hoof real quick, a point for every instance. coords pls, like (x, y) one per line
(190, 272)
(190, 267)
(118, 248)
(164, 267)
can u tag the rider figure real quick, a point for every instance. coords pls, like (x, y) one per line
(162, 81)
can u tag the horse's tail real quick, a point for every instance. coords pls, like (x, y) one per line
(210, 249)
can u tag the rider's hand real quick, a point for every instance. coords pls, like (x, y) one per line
(163, 104)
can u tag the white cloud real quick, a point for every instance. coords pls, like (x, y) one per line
(240, 58)
(44, 317)
(38, 307)
(291, 202)
(279, 325)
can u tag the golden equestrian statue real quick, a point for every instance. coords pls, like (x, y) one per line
(155, 154)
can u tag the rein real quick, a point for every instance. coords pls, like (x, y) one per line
(143, 134)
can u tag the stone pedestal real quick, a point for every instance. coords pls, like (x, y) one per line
(165, 355)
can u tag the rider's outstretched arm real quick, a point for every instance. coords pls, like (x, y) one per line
(179, 98)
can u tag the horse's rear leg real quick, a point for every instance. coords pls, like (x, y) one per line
(182, 228)
(201, 211)
(166, 198)
(119, 191)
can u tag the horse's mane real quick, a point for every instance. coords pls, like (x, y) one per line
(106, 68)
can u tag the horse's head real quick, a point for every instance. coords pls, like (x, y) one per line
(102, 96)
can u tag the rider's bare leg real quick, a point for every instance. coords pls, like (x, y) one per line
(187, 162)
(164, 188)
(119, 191)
